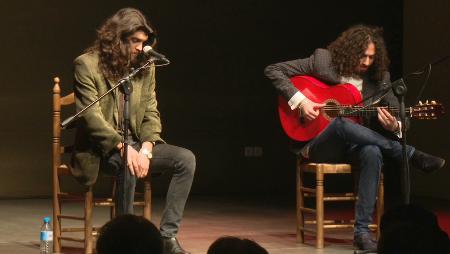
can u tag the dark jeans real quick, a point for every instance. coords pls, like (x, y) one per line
(344, 141)
(179, 160)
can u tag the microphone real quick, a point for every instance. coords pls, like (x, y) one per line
(149, 52)
(399, 87)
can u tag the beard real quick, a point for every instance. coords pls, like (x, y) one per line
(137, 60)
(360, 70)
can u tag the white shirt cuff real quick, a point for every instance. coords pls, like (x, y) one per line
(296, 100)
(399, 131)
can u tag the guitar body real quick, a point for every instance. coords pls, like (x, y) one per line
(316, 91)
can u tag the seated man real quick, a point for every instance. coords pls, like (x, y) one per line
(358, 57)
(99, 143)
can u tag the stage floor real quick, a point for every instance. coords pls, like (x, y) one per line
(267, 220)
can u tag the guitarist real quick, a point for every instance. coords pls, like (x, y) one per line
(359, 57)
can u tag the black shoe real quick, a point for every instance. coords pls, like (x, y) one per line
(364, 242)
(426, 162)
(172, 246)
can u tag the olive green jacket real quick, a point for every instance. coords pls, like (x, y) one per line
(97, 134)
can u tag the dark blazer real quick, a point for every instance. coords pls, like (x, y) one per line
(97, 133)
(319, 65)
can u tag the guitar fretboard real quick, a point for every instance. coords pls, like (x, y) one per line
(349, 110)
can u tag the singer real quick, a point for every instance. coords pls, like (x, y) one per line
(359, 57)
(116, 50)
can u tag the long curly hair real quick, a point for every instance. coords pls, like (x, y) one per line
(350, 46)
(112, 44)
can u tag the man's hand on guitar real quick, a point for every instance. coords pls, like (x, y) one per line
(310, 110)
(388, 121)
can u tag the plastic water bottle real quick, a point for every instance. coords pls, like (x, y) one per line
(46, 237)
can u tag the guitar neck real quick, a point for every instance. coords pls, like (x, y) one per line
(347, 111)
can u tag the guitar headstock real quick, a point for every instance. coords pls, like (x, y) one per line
(427, 110)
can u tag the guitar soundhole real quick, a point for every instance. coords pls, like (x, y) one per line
(331, 109)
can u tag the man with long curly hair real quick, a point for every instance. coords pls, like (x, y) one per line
(359, 57)
(99, 143)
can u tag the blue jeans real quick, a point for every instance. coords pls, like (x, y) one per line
(346, 141)
(180, 161)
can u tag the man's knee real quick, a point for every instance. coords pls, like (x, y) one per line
(187, 159)
(371, 153)
(342, 125)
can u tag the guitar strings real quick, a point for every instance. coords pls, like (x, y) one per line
(357, 109)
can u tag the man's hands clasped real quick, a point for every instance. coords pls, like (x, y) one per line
(138, 163)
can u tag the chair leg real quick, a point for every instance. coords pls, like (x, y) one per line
(300, 204)
(380, 203)
(112, 210)
(147, 198)
(319, 209)
(88, 205)
(56, 225)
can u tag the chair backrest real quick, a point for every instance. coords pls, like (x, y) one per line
(58, 149)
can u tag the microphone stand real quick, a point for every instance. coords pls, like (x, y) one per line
(127, 89)
(399, 89)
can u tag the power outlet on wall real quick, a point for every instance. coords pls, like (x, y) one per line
(253, 151)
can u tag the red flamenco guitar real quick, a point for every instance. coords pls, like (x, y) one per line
(340, 100)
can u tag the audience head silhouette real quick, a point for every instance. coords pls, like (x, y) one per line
(411, 229)
(129, 234)
(234, 245)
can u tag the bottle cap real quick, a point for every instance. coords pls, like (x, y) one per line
(47, 219)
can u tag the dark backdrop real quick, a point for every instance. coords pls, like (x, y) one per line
(426, 39)
(213, 97)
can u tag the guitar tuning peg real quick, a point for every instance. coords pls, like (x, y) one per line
(426, 102)
(420, 103)
(433, 102)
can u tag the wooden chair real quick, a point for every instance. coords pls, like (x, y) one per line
(61, 169)
(320, 170)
